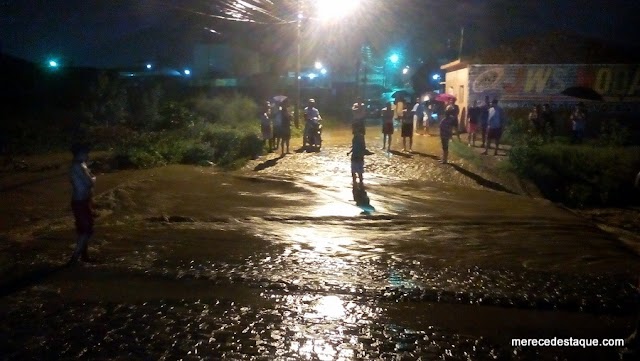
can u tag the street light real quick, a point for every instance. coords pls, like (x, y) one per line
(394, 58)
(325, 10)
(187, 72)
(148, 66)
(318, 65)
(405, 70)
(53, 64)
(334, 10)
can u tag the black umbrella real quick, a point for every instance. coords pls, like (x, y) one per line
(582, 92)
(401, 94)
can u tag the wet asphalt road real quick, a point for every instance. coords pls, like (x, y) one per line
(284, 259)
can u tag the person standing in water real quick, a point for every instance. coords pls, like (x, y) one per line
(83, 183)
(387, 126)
(357, 153)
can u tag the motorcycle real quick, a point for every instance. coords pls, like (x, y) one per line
(314, 133)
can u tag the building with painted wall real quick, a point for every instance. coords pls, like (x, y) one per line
(537, 71)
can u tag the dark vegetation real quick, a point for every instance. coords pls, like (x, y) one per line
(598, 172)
(142, 123)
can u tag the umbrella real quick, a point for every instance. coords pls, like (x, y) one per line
(279, 98)
(444, 97)
(582, 92)
(400, 94)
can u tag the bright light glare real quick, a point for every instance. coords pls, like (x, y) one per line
(323, 71)
(436, 76)
(148, 66)
(53, 63)
(332, 10)
(330, 307)
(318, 65)
(187, 72)
(312, 76)
(405, 71)
(394, 58)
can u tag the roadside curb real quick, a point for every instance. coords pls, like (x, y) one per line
(628, 239)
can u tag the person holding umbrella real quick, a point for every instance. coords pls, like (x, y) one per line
(452, 109)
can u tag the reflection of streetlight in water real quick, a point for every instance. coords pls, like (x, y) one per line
(328, 307)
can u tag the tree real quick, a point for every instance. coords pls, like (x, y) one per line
(107, 103)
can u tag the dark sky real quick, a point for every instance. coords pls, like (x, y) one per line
(107, 33)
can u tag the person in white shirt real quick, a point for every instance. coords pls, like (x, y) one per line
(310, 112)
(495, 123)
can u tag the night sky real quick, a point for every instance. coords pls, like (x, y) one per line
(106, 33)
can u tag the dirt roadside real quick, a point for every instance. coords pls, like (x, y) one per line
(624, 223)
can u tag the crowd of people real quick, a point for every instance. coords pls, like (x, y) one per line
(542, 121)
(484, 122)
(275, 124)
(276, 121)
(487, 119)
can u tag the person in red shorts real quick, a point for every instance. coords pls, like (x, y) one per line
(82, 182)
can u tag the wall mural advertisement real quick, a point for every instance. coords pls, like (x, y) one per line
(526, 85)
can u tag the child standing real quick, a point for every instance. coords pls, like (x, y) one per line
(357, 157)
(82, 182)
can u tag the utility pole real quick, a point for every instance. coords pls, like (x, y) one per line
(461, 41)
(296, 110)
(358, 66)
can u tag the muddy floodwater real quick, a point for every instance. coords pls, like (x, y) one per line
(285, 259)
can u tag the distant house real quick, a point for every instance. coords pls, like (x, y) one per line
(536, 71)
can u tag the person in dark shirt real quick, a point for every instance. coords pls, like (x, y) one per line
(484, 119)
(473, 121)
(548, 122)
(357, 153)
(285, 129)
(456, 117)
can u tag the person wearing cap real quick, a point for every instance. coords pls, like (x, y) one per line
(82, 182)
(310, 112)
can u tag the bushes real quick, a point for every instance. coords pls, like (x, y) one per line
(222, 146)
(231, 144)
(236, 111)
(580, 175)
(226, 142)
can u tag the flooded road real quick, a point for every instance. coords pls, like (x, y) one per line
(286, 260)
